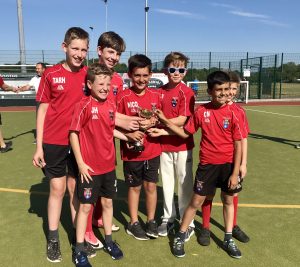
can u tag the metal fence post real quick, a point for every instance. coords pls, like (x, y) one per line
(209, 62)
(274, 82)
(281, 71)
(259, 91)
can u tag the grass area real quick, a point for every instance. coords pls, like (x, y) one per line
(273, 178)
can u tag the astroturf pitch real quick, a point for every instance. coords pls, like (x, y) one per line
(269, 211)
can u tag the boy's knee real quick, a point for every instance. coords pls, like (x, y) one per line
(106, 203)
(85, 208)
(150, 187)
(197, 201)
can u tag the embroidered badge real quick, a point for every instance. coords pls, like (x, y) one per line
(87, 193)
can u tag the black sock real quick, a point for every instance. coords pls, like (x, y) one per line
(181, 235)
(228, 236)
(79, 247)
(53, 235)
(73, 236)
(108, 239)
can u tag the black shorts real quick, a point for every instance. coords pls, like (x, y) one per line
(136, 172)
(211, 176)
(60, 161)
(103, 185)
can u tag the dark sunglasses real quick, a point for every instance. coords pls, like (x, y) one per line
(180, 70)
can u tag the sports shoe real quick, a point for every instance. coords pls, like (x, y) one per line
(99, 224)
(165, 228)
(93, 240)
(204, 237)
(81, 260)
(178, 247)
(89, 250)
(151, 229)
(232, 249)
(53, 251)
(7, 147)
(136, 231)
(239, 234)
(114, 250)
(189, 233)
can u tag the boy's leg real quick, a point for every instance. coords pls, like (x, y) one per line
(184, 173)
(151, 199)
(133, 202)
(204, 236)
(73, 200)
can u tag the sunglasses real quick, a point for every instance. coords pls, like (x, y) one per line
(180, 70)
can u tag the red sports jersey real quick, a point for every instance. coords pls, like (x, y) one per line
(242, 118)
(220, 128)
(95, 122)
(116, 86)
(128, 104)
(62, 89)
(178, 101)
(1, 82)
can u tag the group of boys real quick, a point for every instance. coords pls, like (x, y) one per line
(83, 109)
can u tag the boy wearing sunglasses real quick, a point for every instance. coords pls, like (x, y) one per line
(176, 161)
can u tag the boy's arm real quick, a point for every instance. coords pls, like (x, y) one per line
(120, 135)
(38, 157)
(129, 123)
(243, 167)
(179, 121)
(233, 179)
(82, 167)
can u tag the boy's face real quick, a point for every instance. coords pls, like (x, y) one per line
(108, 56)
(232, 92)
(219, 94)
(176, 72)
(140, 78)
(100, 87)
(76, 52)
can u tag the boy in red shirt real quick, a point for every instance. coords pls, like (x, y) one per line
(237, 232)
(60, 88)
(220, 158)
(140, 167)
(92, 128)
(176, 160)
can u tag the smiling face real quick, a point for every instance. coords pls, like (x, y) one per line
(100, 87)
(76, 52)
(140, 78)
(108, 56)
(232, 92)
(175, 77)
(219, 94)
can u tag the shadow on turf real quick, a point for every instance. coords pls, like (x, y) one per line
(38, 205)
(20, 134)
(275, 139)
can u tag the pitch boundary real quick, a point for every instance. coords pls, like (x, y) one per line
(273, 113)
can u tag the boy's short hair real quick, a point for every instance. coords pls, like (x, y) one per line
(112, 40)
(139, 61)
(97, 69)
(75, 33)
(234, 77)
(175, 57)
(217, 77)
(42, 64)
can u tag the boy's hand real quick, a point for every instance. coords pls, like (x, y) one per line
(135, 136)
(243, 170)
(161, 116)
(232, 182)
(148, 123)
(38, 159)
(156, 132)
(133, 123)
(84, 172)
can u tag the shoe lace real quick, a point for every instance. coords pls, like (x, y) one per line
(138, 228)
(232, 245)
(54, 248)
(178, 244)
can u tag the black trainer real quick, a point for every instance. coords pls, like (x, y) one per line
(204, 237)
(151, 229)
(232, 249)
(136, 231)
(189, 233)
(239, 234)
(89, 250)
(178, 247)
(165, 228)
(53, 251)
(81, 260)
(114, 250)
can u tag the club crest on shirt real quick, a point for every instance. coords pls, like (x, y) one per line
(154, 107)
(174, 101)
(225, 123)
(115, 90)
(111, 114)
(87, 193)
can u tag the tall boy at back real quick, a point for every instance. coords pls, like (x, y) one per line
(176, 160)
(204, 237)
(60, 88)
(91, 137)
(140, 168)
(220, 158)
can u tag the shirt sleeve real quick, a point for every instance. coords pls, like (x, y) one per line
(237, 133)
(187, 103)
(44, 91)
(79, 117)
(194, 122)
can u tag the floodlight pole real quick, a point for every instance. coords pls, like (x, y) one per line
(146, 26)
(105, 2)
(21, 36)
(92, 40)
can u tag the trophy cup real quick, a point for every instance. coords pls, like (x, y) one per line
(147, 114)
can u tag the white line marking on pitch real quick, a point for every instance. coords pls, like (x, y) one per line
(268, 206)
(274, 113)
